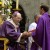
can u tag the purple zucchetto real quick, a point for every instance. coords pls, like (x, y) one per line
(16, 13)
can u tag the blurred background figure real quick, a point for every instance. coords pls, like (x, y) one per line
(32, 45)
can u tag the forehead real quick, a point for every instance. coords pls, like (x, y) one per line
(19, 15)
(38, 16)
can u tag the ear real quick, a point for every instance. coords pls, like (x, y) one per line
(42, 9)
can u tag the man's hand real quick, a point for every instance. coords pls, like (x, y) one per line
(26, 34)
(29, 34)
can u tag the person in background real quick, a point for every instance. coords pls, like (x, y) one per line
(32, 45)
(42, 33)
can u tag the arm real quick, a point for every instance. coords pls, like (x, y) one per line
(10, 32)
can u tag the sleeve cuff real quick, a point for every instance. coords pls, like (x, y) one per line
(18, 40)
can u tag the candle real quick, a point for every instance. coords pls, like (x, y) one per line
(3, 3)
(3, 6)
(17, 4)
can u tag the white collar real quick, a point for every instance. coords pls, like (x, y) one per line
(11, 21)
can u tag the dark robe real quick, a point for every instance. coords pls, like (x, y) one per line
(42, 33)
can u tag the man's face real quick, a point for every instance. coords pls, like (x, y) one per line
(18, 18)
(36, 19)
(41, 11)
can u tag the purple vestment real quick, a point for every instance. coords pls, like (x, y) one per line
(42, 36)
(8, 31)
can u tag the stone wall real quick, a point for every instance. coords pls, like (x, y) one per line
(31, 7)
